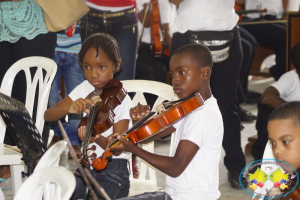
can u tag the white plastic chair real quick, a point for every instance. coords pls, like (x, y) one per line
(52, 156)
(60, 177)
(7, 156)
(164, 92)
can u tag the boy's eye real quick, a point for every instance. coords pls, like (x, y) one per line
(272, 143)
(171, 75)
(286, 142)
(181, 72)
(102, 67)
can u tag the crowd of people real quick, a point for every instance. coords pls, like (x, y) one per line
(203, 50)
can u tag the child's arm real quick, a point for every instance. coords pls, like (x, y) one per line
(271, 97)
(121, 126)
(65, 107)
(172, 166)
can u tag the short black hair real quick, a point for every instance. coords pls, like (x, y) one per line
(104, 41)
(295, 56)
(289, 110)
(198, 53)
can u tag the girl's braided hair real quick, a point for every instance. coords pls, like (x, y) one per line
(104, 41)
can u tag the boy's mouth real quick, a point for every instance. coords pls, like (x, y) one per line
(177, 90)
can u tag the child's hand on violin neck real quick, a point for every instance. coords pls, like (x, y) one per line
(81, 134)
(80, 105)
(139, 112)
(125, 145)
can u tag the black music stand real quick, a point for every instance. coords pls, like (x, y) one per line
(23, 131)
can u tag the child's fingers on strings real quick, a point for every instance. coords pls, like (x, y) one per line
(81, 132)
(139, 111)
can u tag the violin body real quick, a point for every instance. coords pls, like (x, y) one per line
(101, 116)
(153, 126)
(112, 96)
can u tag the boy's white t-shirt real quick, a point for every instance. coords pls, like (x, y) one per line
(200, 180)
(288, 86)
(121, 112)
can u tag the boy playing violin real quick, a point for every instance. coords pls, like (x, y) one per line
(193, 169)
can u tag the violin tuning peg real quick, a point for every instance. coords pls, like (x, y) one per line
(93, 147)
(109, 158)
(113, 150)
(94, 155)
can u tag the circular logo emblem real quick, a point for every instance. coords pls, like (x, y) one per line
(269, 178)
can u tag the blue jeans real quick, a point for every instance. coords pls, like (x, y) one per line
(67, 66)
(114, 179)
(149, 196)
(123, 29)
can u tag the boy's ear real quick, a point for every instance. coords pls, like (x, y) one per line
(206, 73)
(118, 65)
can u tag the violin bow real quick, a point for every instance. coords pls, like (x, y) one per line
(84, 173)
(143, 22)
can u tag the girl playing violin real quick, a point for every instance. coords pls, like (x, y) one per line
(100, 59)
(193, 169)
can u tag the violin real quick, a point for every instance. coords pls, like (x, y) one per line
(156, 45)
(152, 127)
(101, 115)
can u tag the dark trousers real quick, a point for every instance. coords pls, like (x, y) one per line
(224, 83)
(114, 179)
(149, 67)
(271, 36)
(248, 45)
(263, 114)
(41, 45)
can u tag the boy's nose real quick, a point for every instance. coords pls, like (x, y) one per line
(277, 153)
(175, 81)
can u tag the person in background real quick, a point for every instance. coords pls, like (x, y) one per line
(67, 47)
(269, 35)
(23, 33)
(286, 89)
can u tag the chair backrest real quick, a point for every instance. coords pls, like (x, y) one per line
(52, 156)
(164, 92)
(40, 79)
(61, 178)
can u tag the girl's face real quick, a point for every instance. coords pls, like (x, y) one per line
(284, 137)
(98, 69)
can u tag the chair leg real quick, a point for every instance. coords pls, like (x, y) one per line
(16, 177)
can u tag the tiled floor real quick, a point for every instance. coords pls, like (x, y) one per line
(162, 147)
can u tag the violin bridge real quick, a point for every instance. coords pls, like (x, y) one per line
(96, 98)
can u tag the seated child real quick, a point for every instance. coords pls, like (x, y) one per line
(284, 136)
(286, 89)
(193, 169)
(100, 59)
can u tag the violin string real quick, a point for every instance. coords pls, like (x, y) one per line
(88, 126)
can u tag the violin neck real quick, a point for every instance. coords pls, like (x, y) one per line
(125, 135)
(90, 125)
